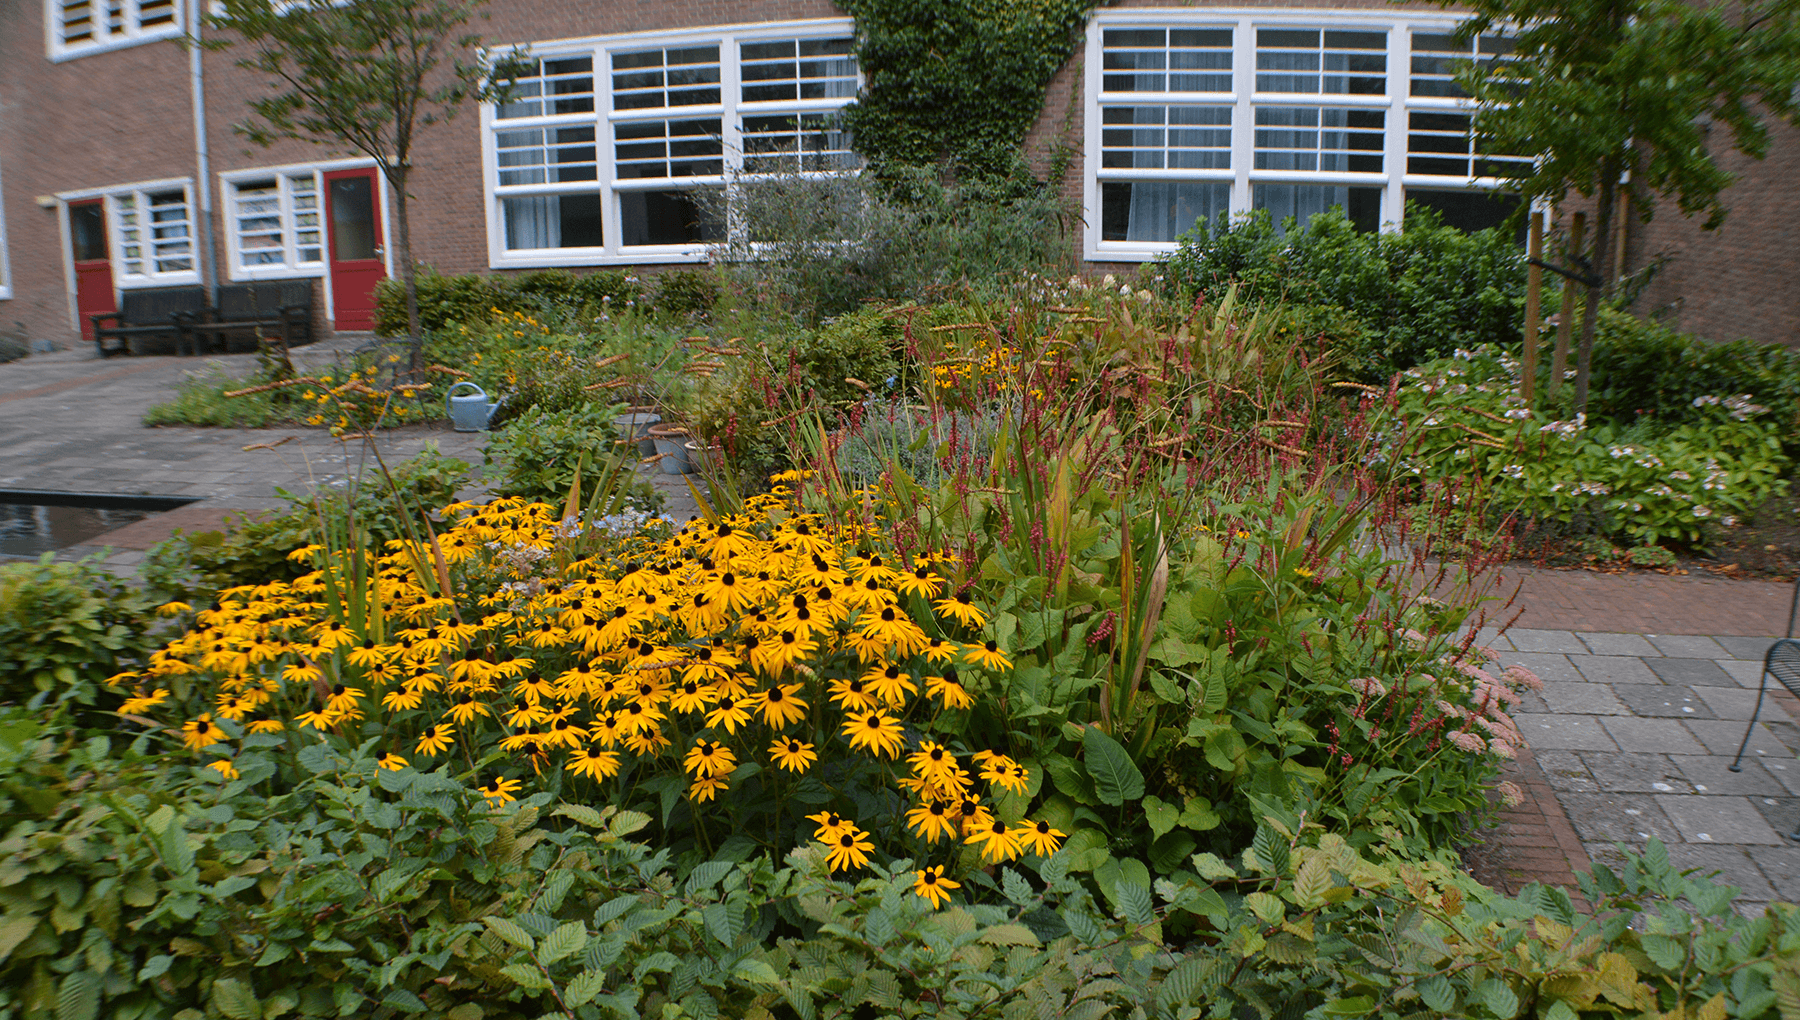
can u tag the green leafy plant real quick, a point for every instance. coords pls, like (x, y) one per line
(64, 629)
(537, 455)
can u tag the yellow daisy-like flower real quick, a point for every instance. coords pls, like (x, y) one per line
(933, 763)
(852, 695)
(594, 763)
(391, 762)
(1038, 837)
(932, 820)
(997, 841)
(890, 684)
(830, 825)
(224, 768)
(435, 739)
(707, 788)
(500, 791)
(709, 758)
(921, 580)
(693, 696)
(948, 691)
(1005, 773)
(199, 734)
(729, 713)
(143, 702)
(780, 705)
(402, 699)
(793, 754)
(931, 884)
(849, 849)
(960, 608)
(988, 656)
(876, 731)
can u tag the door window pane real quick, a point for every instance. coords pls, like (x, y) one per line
(87, 232)
(352, 218)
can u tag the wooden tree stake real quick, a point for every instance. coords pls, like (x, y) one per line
(1534, 285)
(1565, 325)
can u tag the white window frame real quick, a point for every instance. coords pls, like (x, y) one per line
(729, 111)
(6, 290)
(140, 193)
(1396, 102)
(130, 31)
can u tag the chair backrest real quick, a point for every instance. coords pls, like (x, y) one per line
(295, 293)
(245, 302)
(1783, 663)
(156, 305)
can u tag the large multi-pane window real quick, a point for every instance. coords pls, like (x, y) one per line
(613, 150)
(78, 27)
(154, 234)
(1217, 113)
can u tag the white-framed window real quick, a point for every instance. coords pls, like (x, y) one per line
(602, 150)
(272, 223)
(150, 231)
(5, 263)
(1198, 113)
(78, 27)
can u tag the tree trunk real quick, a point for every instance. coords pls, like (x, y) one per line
(1602, 268)
(408, 277)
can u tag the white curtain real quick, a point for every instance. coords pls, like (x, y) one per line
(1301, 201)
(534, 222)
(1164, 210)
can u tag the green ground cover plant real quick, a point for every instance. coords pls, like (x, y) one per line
(65, 628)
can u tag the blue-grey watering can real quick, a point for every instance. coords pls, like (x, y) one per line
(469, 413)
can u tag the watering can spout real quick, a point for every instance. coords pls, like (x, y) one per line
(469, 413)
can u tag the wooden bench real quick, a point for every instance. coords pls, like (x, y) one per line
(152, 313)
(252, 310)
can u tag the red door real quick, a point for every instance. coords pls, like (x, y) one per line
(93, 267)
(353, 208)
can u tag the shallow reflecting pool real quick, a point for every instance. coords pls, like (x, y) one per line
(34, 523)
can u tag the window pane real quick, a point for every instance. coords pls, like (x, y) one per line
(87, 232)
(1436, 58)
(1467, 211)
(170, 250)
(258, 220)
(1322, 139)
(559, 85)
(303, 198)
(1174, 137)
(1159, 210)
(663, 217)
(1304, 201)
(668, 148)
(1315, 62)
(1155, 60)
(792, 144)
(648, 79)
(552, 221)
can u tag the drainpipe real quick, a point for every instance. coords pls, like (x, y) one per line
(202, 163)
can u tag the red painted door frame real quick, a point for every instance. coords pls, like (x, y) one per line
(355, 242)
(91, 253)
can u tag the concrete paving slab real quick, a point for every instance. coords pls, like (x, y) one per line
(1554, 641)
(1566, 733)
(1620, 817)
(1744, 647)
(1659, 701)
(1531, 703)
(1730, 702)
(1490, 637)
(1687, 646)
(1618, 644)
(1651, 736)
(1565, 771)
(1547, 665)
(1711, 774)
(1563, 697)
(1733, 865)
(1703, 819)
(1782, 866)
(1721, 736)
(1613, 669)
(1746, 672)
(1634, 772)
(1782, 813)
(1687, 671)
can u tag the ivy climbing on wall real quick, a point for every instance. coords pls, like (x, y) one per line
(956, 83)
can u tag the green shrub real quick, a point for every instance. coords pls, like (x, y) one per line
(65, 628)
(685, 292)
(1462, 419)
(470, 299)
(535, 456)
(200, 400)
(1417, 295)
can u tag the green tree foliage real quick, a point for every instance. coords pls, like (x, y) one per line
(364, 76)
(956, 82)
(1624, 94)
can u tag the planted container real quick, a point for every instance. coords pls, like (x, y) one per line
(635, 424)
(671, 443)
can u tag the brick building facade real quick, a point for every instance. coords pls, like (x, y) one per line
(1167, 112)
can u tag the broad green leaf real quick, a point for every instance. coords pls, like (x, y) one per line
(79, 997)
(510, 932)
(1161, 816)
(1014, 934)
(1116, 777)
(526, 976)
(586, 985)
(235, 999)
(581, 813)
(566, 940)
(756, 972)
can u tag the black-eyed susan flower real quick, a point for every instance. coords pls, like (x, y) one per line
(961, 608)
(852, 694)
(932, 820)
(948, 691)
(499, 791)
(997, 841)
(729, 713)
(792, 754)
(780, 705)
(830, 825)
(199, 734)
(224, 768)
(594, 762)
(1005, 773)
(709, 758)
(933, 763)
(920, 580)
(849, 849)
(931, 885)
(706, 788)
(1038, 837)
(890, 684)
(142, 703)
(692, 696)
(435, 739)
(875, 731)
(391, 762)
(988, 656)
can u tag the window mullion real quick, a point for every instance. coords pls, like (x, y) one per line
(612, 234)
(1399, 120)
(1243, 118)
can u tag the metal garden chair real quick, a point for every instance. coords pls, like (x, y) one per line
(1782, 661)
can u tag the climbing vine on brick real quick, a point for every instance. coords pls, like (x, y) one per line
(956, 83)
